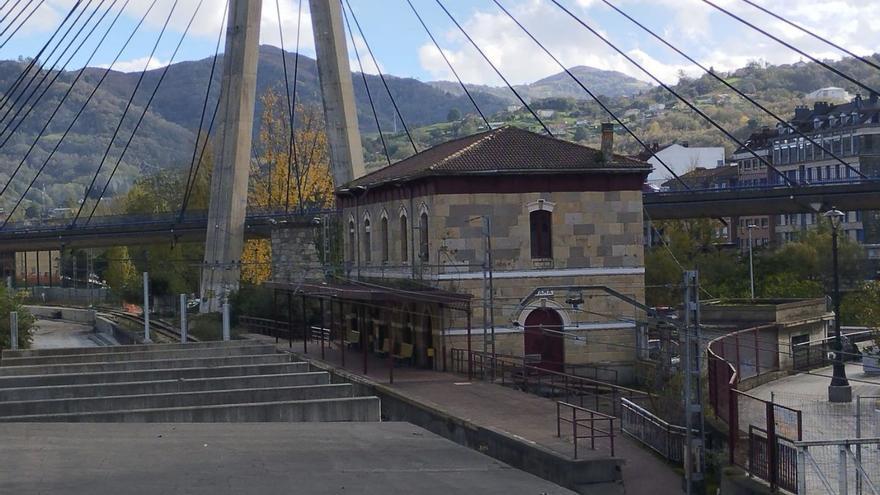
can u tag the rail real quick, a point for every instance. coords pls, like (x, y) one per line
(661, 436)
(601, 396)
(166, 331)
(579, 421)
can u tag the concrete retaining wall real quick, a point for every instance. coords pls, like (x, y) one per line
(164, 386)
(84, 316)
(122, 348)
(149, 375)
(582, 475)
(348, 409)
(181, 399)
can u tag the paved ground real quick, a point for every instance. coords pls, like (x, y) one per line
(520, 414)
(822, 420)
(226, 459)
(54, 334)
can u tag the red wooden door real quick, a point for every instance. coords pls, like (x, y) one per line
(541, 338)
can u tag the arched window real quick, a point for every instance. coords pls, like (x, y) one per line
(352, 245)
(368, 245)
(423, 237)
(404, 238)
(541, 234)
(384, 238)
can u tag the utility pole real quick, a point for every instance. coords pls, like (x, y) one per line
(751, 262)
(337, 92)
(232, 152)
(694, 459)
(183, 324)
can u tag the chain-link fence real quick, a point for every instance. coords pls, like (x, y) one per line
(823, 420)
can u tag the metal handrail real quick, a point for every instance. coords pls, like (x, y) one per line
(590, 423)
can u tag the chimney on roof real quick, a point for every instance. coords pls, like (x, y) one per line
(685, 144)
(801, 112)
(607, 141)
(821, 107)
(873, 98)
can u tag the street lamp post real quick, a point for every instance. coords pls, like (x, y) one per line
(839, 390)
(751, 261)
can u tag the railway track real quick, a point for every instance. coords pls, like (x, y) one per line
(161, 331)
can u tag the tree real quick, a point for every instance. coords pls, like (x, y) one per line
(15, 302)
(281, 180)
(454, 115)
(580, 134)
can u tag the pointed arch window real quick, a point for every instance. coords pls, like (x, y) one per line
(352, 244)
(404, 237)
(368, 244)
(384, 233)
(423, 237)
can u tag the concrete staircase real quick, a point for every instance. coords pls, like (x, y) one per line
(240, 381)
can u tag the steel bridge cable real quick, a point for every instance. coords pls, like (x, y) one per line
(22, 23)
(449, 64)
(12, 9)
(57, 107)
(591, 94)
(367, 86)
(791, 47)
(88, 99)
(45, 73)
(124, 114)
(498, 72)
(812, 34)
(382, 77)
(291, 105)
(674, 93)
(733, 88)
(144, 112)
(193, 170)
(24, 74)
(17, 124)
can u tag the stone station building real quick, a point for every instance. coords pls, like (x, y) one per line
(544, 222)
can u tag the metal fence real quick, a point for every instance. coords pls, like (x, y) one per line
(848, 474)
(598, 395)
(585, 424)
(666, 439)
(815, 353)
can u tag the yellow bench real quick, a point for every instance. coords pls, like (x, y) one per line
(352, 338)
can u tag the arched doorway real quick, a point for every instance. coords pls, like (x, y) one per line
(542, 338)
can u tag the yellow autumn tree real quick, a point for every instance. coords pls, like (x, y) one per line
(292, 175)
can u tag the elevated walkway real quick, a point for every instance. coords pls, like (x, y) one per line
(239, 381)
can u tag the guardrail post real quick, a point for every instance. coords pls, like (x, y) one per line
(841, 469)
(146, 308)
(558, 428)
(574, 428)
(183, 325)
(802, 470)
(13, 330)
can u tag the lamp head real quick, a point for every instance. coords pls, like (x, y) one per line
(835, 217)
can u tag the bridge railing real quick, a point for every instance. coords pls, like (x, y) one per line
(769, 185)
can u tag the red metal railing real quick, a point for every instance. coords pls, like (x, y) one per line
(583, 423)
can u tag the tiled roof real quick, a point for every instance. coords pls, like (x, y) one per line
(504, 150)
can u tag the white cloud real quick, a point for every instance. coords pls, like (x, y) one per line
(703, 32)
(138, 64)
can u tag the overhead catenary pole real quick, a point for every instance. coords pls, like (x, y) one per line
(694, 461)
(337, 91)
(13, 330)
(183, 324)
(229, 181)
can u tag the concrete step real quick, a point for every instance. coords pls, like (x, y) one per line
(51, 369)
(320, 410)
(7, 382)
(163, 386)
(124, 348)
(111, 355)
(174, 400)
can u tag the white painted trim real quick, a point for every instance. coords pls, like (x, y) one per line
(564, 272)
(475, 332)
(541, 204)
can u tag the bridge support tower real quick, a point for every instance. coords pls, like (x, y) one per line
(232, 156)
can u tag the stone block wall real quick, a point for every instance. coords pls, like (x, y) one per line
(295, 254)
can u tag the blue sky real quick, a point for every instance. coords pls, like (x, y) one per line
(403, 48)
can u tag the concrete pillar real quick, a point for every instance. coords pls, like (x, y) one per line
(337, 91)
(13, 330)
(147, 309)
(232, 155)
(226, 322)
